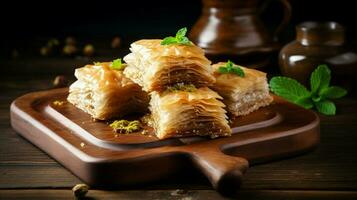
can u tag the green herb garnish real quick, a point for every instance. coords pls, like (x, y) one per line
(117, 64)
(180, 38)
(182, 87)
(319, 96)
(125, 126)
(231, 68)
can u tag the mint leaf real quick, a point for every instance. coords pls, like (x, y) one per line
(184, 41)
(305, 102)
(229, 64)
(169, 40)
(316, 98)
(320, 78)
(326, 107)
(181, 33)
(229, 67)
(290, 89)
(333, 92)
(223, 70)
(180, 38)
(239, 71)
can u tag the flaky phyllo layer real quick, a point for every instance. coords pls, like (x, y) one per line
(182, 113)
(155, 67)
(242, 95)
(105, 93)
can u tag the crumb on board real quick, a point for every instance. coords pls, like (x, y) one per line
(58, 103)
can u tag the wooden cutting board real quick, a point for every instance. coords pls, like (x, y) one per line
(94, 153)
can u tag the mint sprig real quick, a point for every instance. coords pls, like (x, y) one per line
(231, 68)
(180, 38)
(320, 95)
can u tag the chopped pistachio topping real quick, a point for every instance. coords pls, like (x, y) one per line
(125, 126)
(58, 103)
(182, 87)
(117, 64)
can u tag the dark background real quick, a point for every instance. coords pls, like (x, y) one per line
(27, 26)
(105, 18)
(329, 172)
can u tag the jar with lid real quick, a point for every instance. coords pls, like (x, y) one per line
(319, 43)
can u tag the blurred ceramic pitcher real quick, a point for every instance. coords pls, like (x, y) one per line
(233, 28)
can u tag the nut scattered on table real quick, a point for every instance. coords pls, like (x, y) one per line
(69, 49)
(60, 81)
(178, 192)
(80, 190)
(116, 42)
(88, 50)
(45, 51)
(53, 42)
(71, 41)
(51, 47)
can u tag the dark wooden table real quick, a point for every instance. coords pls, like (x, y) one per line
(329, 172)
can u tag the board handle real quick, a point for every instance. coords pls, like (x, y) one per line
(223, 171)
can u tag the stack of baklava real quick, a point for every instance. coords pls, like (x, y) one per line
(173, 79)
(177, 78)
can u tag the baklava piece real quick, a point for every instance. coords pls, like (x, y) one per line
(242, 94)
(104, 92)
(155, 66)
(186, 111)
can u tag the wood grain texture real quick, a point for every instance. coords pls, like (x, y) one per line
(330, 167)
(178, 195)
(94, 153)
